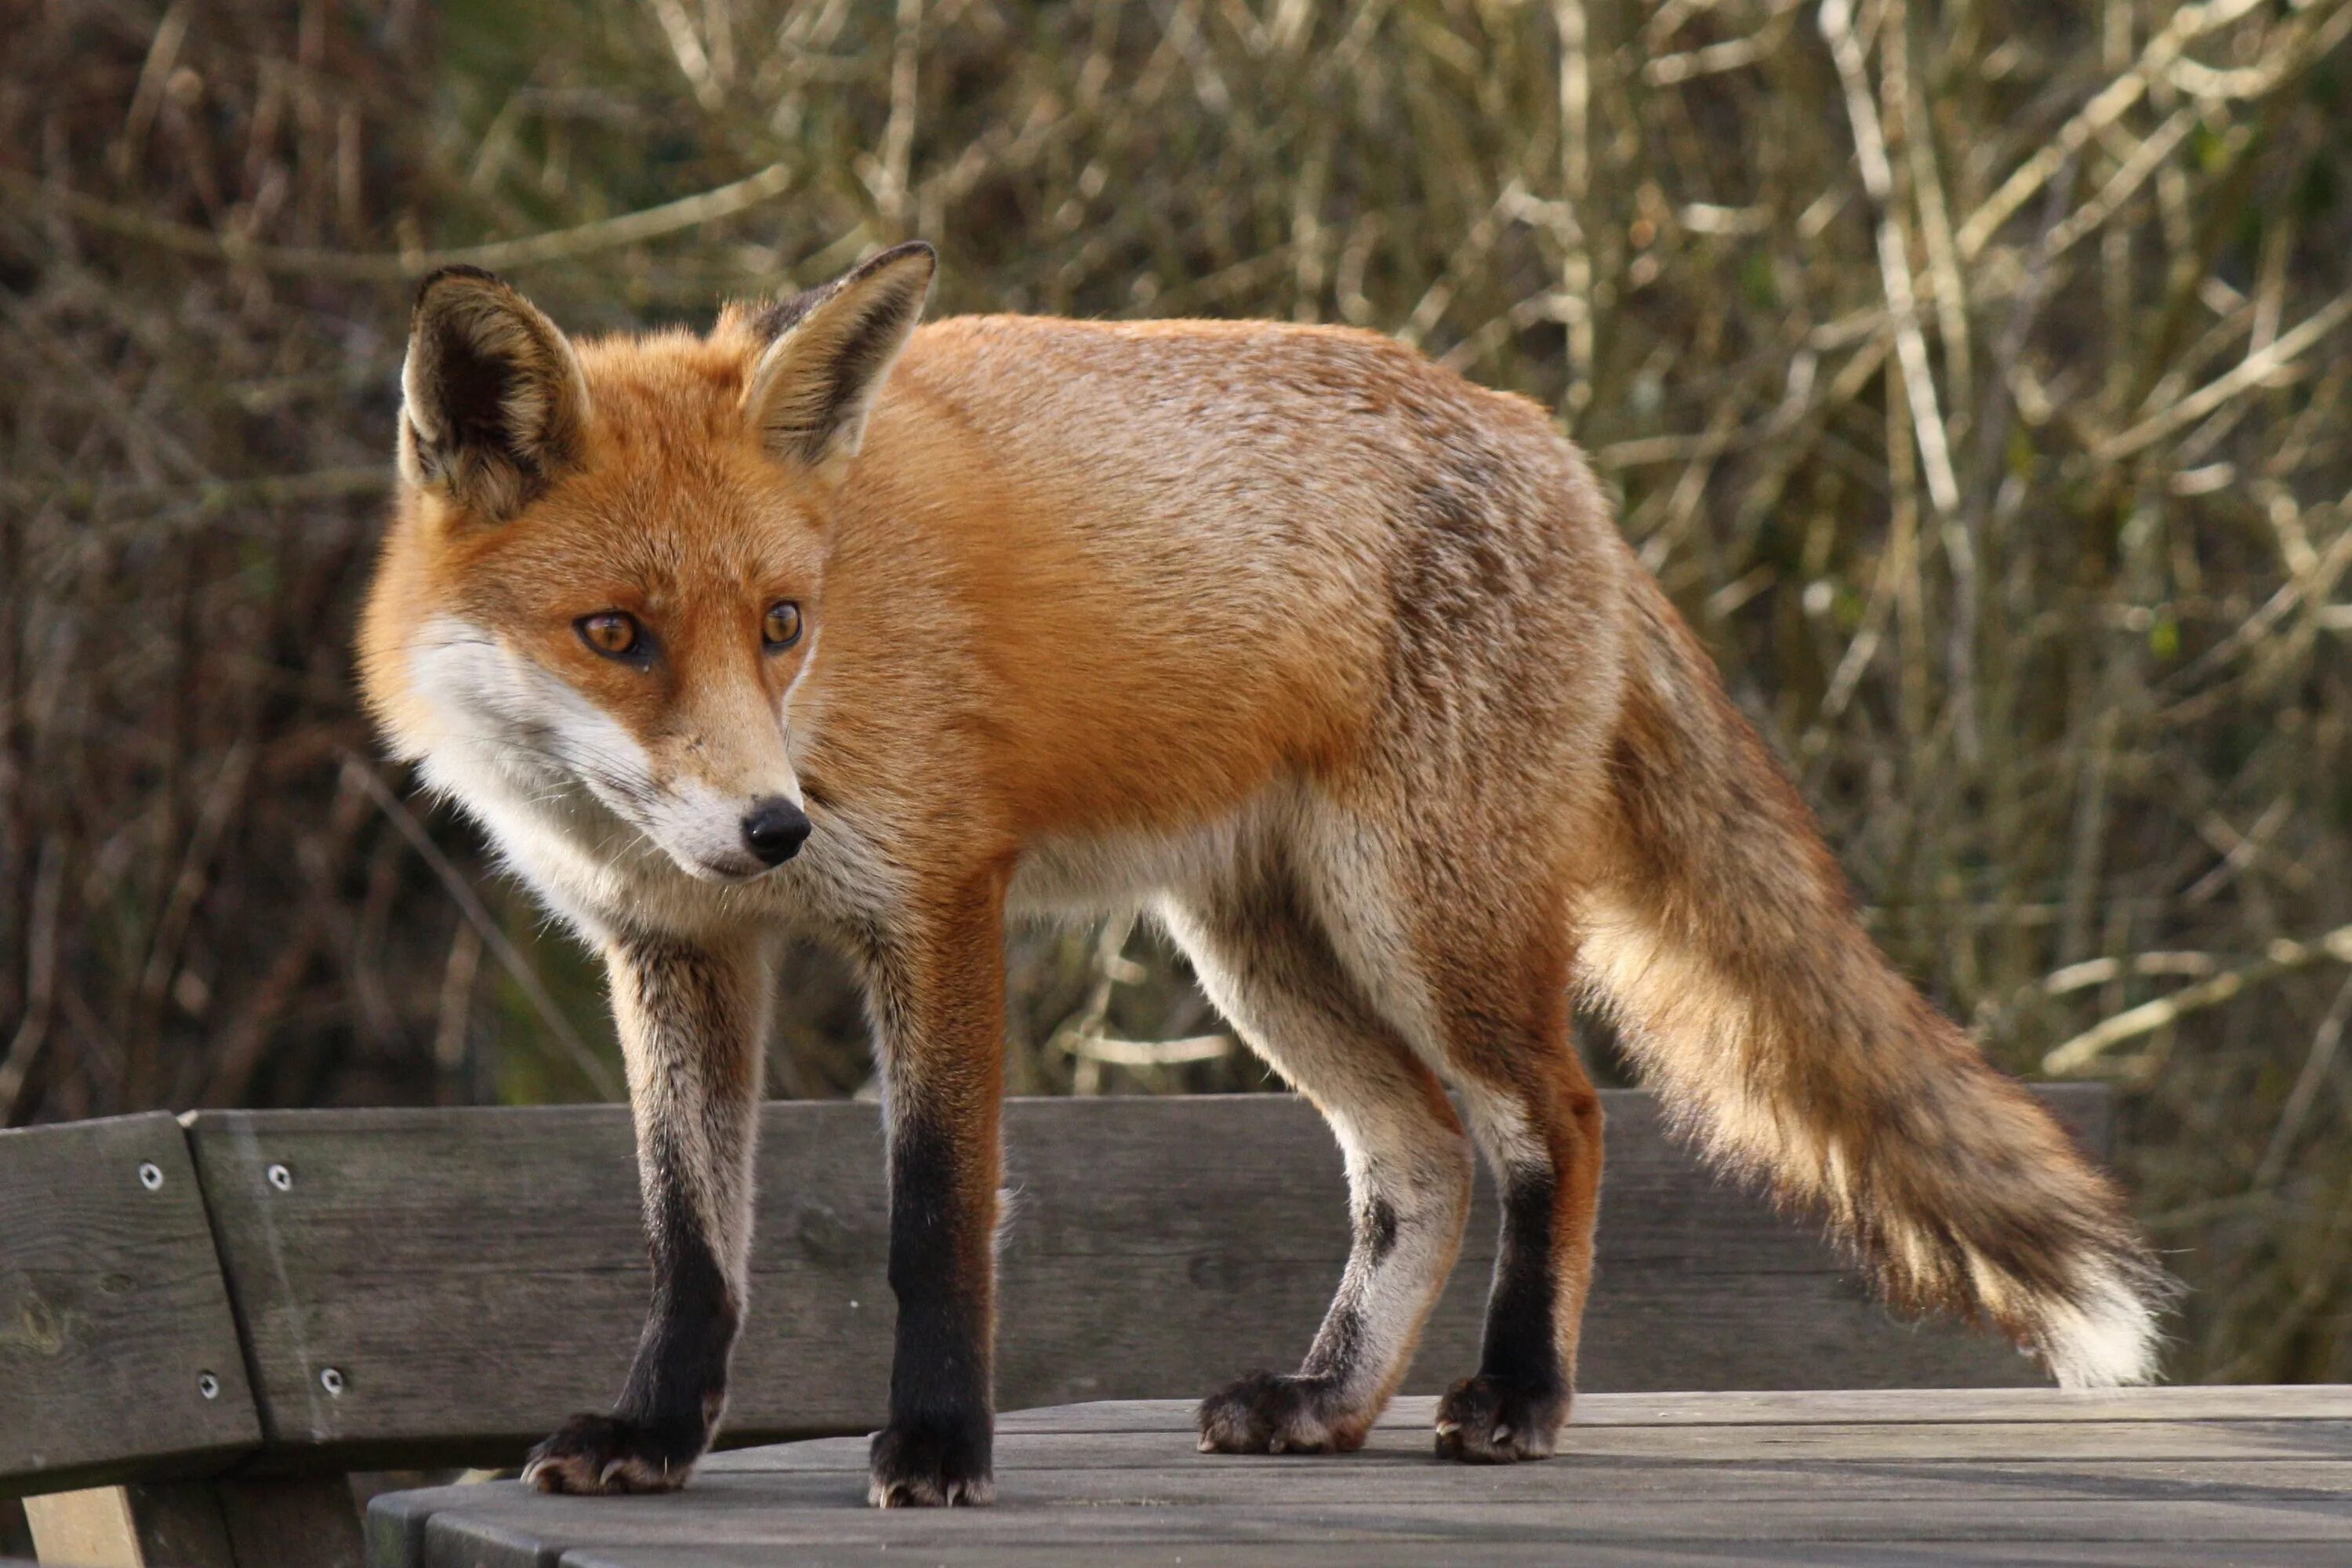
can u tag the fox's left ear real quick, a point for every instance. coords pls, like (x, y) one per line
(829, 348)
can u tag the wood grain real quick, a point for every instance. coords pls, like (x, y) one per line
(1484, 1553)
(471, 1277)
(1880, 1407)
(290, 1521)
(2137, 1483)
(2182, 1442)
(111, 1311)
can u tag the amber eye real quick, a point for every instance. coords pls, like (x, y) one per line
(781, 627)
(610, 632)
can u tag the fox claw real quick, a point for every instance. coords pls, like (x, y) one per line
(917, 1468)
(595, 1455)
(1274, 1413)
(1483, 1422)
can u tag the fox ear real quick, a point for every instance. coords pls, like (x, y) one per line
(828, 350)
(493, 402)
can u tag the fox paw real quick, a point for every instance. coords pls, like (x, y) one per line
(1275, 1413)
(1483, 1422)
(916, 1467)
(592, 1455)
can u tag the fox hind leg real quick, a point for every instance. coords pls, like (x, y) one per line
(1509, 1046)
(1543, 1141)
(1265, 962)
(1475, 971)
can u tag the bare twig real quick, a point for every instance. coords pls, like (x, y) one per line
(2084, 1050)
(2187, 24)
(2253, 371)
(560, 245)
(2316, 1064)
(40, 987)
(1894, 262)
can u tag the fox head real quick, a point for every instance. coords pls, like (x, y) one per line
(607, 568)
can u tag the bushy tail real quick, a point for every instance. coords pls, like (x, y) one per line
(1723, 942)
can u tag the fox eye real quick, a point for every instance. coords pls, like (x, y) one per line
(612, 632)
(781, 627)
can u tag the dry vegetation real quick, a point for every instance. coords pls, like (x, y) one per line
(1976, 374)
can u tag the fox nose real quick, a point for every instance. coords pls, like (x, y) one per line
(775, 829)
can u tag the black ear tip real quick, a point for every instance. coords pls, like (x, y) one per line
(908, 250)
(456, 271)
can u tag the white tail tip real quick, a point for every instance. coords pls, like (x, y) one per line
(2105, 1336)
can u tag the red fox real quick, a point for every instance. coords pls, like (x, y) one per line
(1329, 660)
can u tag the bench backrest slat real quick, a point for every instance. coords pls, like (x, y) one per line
(112, 1312)
(470, 1276)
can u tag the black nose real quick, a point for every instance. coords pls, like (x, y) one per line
(775, 829)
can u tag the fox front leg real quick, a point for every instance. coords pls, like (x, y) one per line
(938, 1000)
(692, 1019)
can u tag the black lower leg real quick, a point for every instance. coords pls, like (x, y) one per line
(676, 1386)
(1522, 1343)
(1512, 1409)
(936, 1449)
(692, 1019)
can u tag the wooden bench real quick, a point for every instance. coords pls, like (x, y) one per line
(205, 1322)
(1967, 1477)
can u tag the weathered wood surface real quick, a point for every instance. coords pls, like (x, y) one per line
(300, 1522)
(2146, 1476)
(112, 1313)
(470, 1276)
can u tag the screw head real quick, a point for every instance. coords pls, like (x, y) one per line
(281, 1178)
(332, 1380)
(208, 1385)
(151, 1176)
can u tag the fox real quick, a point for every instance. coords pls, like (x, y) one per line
(832, 623)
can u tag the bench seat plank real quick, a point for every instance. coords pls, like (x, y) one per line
(1492, 1554)
(1846, 1406)
(2153, 1482)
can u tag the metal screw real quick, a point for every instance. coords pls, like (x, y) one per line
(208, 1385)
(151, 1176)
(281, 1178)
(332, 1381)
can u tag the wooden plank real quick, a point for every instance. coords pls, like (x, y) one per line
(1415, 1481)
(170, 1525)
(306, 1521)
(2240, 1401)
(91, 1527)
(452, 1539)
(2007, 1440)
(1225, 1216)
(117, 1353)
(2132, 1486)
(1495, 1554)
(291, 1521)
(470, 1276)
(548, 1527)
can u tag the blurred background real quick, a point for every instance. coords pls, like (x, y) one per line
(1975, 373)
